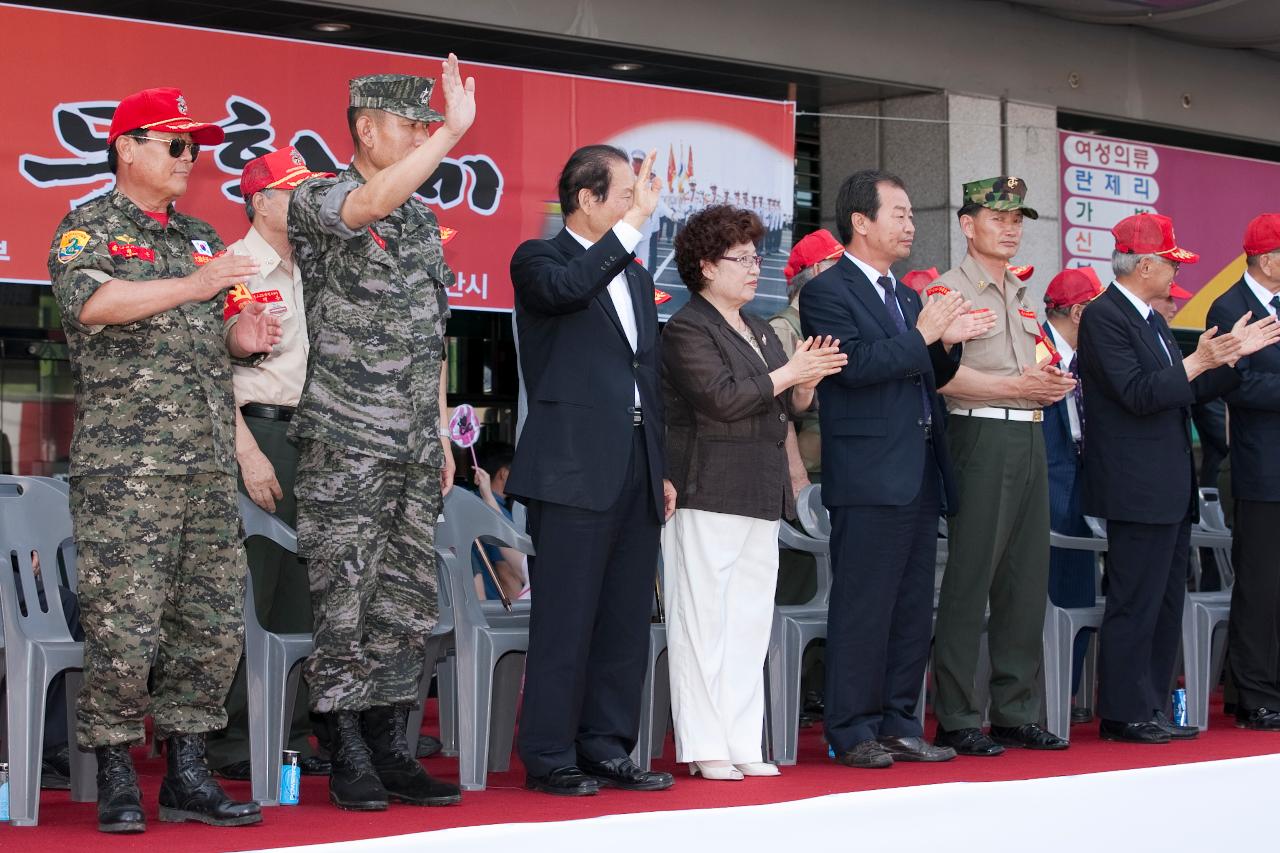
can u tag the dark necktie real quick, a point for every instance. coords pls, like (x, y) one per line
(895, 313)
(1077, 392)
(1275, 305)
(1154, 321)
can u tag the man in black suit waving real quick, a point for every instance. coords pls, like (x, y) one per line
(589, 466)
(885, 468)
(1138, 469)
(1254, 638)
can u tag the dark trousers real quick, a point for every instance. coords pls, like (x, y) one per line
(282, 594)
(881, 615)
(1254, 630)
(593, 581)
(1141, 629)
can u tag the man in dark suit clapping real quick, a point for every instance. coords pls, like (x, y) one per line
(885, 469)
(1255, 481)
(1138, 469)
(589, 466)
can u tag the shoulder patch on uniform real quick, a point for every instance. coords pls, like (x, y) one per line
(71, 245)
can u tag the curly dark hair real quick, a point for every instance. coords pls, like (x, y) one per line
(708, 235)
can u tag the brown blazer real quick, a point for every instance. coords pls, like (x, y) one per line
(726, 431)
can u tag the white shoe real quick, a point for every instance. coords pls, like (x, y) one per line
(720, 771)
(758, 768)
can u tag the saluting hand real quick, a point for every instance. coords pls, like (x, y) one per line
(220, 275)
(459, 98)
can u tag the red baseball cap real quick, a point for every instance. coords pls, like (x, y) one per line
(164, 110)
(1150, 234)
(918, 280)
(283, 169)
(1023, 272)
(1179, 292)
(1071, 287)
(812, 248)
(1262, 235)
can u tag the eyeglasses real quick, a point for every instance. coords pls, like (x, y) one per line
(747, 261)
(176, 146)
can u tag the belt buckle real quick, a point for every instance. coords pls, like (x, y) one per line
(1037, 416)
(637, 416)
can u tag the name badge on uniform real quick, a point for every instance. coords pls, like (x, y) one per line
(203, 252)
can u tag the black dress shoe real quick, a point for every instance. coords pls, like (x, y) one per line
(563, 782)
(625, 774)
(236, 771)
(314, 765)
(428, 746)
(1027, 736)
(1147, 732)
(1259, 719)
(968, 742)
(867, 755)
(1175, 731)
(915, 749)
(1081, 715)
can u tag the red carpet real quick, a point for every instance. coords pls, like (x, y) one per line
(64, 825)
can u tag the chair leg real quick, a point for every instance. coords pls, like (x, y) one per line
(25, 704)
(84, 764)
(474, 668)
(1191, 666)
(508, 676)
(661, 716)
(447, 703)
(776, 687)
(267, 678)
(413, 728)
(791, 700)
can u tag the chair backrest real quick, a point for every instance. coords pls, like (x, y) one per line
(34, 516)
(813, 516)
(467, 518)
(1211, 514)
(794, 540)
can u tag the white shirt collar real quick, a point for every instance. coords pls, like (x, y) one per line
(260, 250)
(869, 271)
(1264, 296)
(1144, 309)
(582, 241)
(1065, 349)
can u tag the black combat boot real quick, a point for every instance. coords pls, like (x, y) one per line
(189, 791)
(401, 774)
(119, 801)
(353, 782)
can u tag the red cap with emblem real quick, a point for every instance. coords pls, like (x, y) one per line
(812, 248)
(1071, 287)
(164, 110)
(1150, 234)
(1262, 235)
(280, 170)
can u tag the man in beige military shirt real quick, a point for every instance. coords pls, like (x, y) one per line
(267, 391)
(998, 541)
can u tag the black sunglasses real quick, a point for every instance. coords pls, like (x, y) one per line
(176, 146)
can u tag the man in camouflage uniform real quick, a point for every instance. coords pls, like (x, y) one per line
(998, 541)
(153, 487)
(373, 459)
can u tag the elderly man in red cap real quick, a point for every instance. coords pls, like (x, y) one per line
(1253, 633)
(153, 494)
(1071, 573)
(267, 391)
(1138, 468)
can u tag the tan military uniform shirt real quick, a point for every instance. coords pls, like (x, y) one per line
(277, 380)
(1008, 348)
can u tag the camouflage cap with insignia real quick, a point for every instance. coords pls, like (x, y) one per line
(401, 94)
(1002, 193)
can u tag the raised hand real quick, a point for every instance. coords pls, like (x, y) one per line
(459, 97)
(969, 324)
(645, 194)
(938, 313)
(1255, 336)
(814, 359)
(1044, 383)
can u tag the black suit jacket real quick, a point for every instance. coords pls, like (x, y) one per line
(580, 372)
(1255, 405)
(726, 429)
(872, 452)
(1137, 454)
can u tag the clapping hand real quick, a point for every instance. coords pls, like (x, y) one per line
(815, 358)
(938, 314)
(1255, 336)
(1044, 383)
(969, 324)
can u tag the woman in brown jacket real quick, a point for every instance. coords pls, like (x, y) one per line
(730, 391)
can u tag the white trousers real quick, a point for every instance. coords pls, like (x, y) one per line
(720, 574)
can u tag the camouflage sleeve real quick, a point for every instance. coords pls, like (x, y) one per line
(79, 263)
(315, 210)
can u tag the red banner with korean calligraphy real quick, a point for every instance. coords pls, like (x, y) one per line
(496, 189)
(1209, 197)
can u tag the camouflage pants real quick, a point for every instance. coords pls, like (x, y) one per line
(366, 527)
(161, 583)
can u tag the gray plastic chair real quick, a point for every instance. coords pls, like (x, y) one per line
(34, 516)
(812, 515)
(795, 626)
(489, 647)
(1061, 625)
(271, 667)
(1203, 614)
(1213, 523)
(655, 700)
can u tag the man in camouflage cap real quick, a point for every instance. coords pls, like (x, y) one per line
(153, 477)
(373, 455)
(998, 541)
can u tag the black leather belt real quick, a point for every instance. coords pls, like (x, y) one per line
(270, 413)
(637, 416)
